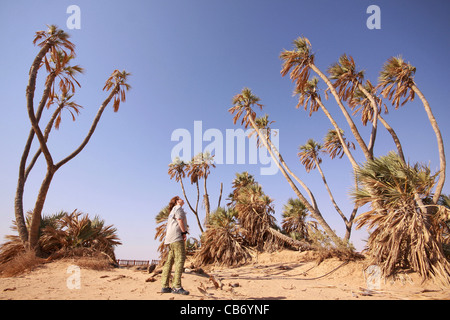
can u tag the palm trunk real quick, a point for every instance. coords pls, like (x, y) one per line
(338, 132)
(385, 124)
(347, 116)
(206, 201)
(314, 212)
(329, 192)
(440, 142)
(189, 204)
(394, 137)
(302, 245)
(36, 217)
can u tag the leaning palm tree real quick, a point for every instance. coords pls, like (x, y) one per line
(397, 81)
(402, 236)
(309, 96)
(298, 62)
(310, 157)
(243, 102)
(348, 81)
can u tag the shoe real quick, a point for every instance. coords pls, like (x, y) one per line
(166, 290)
(180, 291)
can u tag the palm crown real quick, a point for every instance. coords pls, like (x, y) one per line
(396, 79)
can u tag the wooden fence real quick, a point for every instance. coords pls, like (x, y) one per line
(141, 263)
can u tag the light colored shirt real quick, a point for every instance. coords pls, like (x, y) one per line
(173, 232)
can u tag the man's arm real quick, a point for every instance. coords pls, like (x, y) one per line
(183, 228)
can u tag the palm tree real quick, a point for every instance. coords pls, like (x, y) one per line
(263, 125)
(223, 242)
(403, 235)
(333, 145)
(397, 82)
(54, 41)
(299, 61)
(63, 234)
(242, 180)
(349, 83)
(294, 218)
(204, 161)
(243, 102)
(177, 170)
(58, 67)
(309, 95)
(310, 158)
(366, 100)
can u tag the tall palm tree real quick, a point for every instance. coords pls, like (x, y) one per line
(351, 89)
(366, 100)
(397, 82)
(299, 61)
(309, 95)
(310, 158)
(243, 102)
(58, 67)
(117, 84)
(53, 40)
(402, 234)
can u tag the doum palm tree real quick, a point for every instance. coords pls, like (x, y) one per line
(243, 103)
(55, 42)
(397, 82)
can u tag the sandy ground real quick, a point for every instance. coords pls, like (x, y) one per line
(284, 275)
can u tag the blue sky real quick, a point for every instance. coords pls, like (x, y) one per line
(188, 59)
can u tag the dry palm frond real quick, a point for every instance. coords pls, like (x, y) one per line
(396, 79)
(402, 235)
(223, 242)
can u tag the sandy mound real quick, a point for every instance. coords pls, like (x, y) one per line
(283, 275)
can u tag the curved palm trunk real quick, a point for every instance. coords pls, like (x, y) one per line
(311, 196)
(347, 116)
(189, 204)
(52, 168)
(314, 212)
(394, 137)
(440, 142)
(302, 245)
(330, 194)
(338, 132)
(397, 143)
(383, 122)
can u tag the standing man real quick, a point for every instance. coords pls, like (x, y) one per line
(175, 239)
